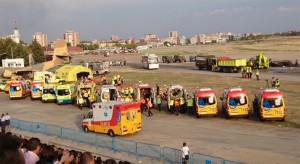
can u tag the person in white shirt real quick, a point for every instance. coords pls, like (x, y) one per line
(7, 123)
(185, 153)
(33, 150)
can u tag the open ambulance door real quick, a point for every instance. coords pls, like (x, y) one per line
(185, 94)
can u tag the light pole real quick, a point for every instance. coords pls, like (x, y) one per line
(12, 53)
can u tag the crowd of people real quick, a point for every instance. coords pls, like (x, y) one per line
(20, 150)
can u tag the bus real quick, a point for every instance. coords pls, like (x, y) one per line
(150, 61)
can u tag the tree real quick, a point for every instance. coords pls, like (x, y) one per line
(37, 52)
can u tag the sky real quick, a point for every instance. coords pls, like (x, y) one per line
(100, 19)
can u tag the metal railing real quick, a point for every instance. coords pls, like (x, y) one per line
(138, 149)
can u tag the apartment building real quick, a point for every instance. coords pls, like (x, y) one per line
(114, 38)
(173, 34)
(41, 38)
(72, 37)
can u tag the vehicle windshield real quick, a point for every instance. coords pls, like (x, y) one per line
(237, 101)
(15, 88)
(200, 58)
(153, 60)
(63, 92)
(36, 88)
(49, 90)
(272, 102)
(207, 100)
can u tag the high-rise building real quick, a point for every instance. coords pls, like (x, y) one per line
(173, 34)
(72, 37)
(114, 38)
(42, 39)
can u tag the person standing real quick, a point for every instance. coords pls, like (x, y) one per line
(7, 123)
(257, 74)
(190, 105)
(171, 104)
(157, 89)
(149, 106)
(3, 123)
(143, 104)
(277, 83)
(182, 105)
(158, 102)
(250, 72)
(273, 82)
(177, 106)
(185, 153)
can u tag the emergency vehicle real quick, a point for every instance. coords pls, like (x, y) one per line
(66, 93)
(205, 102)
(108, 93)
(270, 104)
(19, 89)
(49, 93)
(36, 89)
(143, 91)
(2, 85)
(176, 91)
(86, 94)
(235, 102)
(113, 118)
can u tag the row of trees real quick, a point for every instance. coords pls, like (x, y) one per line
(10, 49)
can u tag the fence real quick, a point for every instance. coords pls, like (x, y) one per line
(138, 149)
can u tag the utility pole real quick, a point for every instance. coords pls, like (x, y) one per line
(12, 53)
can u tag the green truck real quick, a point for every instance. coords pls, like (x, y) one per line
(227, 65)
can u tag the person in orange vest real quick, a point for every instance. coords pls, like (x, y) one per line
(149, 106)
(177, 106)
(103, 79)
(143, 105)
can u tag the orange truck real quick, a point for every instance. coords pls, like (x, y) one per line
(235, 102)
(270, 104)
(113, 118)
(205, 102)
(19, 89)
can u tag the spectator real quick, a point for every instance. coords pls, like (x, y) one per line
(9, 150)
(98, 160)
(67, 157)
(3, 123)
(33, 150)
(86, 158)
(110, 161)
(7, 123)
(47, 155)
(185, 153)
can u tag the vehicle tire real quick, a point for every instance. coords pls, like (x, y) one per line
(283, 119)
(43, 101)
(111, 133)
(86, 129)
(231, 70)
(31, 98)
